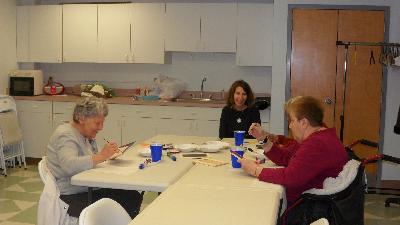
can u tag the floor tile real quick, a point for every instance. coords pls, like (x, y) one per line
(8, 206)
(26, 216)
(15, 187)
(15, 223)
(32, 186)
(9, 180)
(24, 196)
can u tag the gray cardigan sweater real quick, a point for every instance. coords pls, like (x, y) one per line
(68, 153)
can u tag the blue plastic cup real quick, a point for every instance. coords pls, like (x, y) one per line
(239, 137)
(156, 152)
(234, 159)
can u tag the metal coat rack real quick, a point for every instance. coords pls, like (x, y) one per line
(346, 48)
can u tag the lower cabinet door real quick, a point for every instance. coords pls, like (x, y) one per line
(209, 128)
(138, 129)
(36, 129)
(175, 126)
(111, 131)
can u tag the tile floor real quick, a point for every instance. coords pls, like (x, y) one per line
(20, 192)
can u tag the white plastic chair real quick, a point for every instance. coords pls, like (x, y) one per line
(104, 212)
(50, 201)
(321, 221)
(11, 143)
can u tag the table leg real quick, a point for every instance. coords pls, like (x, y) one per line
(90, 195)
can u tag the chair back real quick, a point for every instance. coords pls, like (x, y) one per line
(104, 212)
(44, 171)
(10, 131)
(321, 221)
(345, 207)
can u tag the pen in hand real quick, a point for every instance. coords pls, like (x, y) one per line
(106, 140)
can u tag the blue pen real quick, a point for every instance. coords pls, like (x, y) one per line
(171, 156)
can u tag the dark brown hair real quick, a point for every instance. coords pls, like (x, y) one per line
(246, 87)
(306, 107)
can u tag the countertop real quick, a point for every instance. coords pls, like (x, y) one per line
(128, 101)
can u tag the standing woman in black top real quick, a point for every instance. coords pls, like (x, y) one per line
(239, 112)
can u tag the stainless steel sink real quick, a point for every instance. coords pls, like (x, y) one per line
(198, 100)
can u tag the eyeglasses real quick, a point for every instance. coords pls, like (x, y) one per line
(290, 120)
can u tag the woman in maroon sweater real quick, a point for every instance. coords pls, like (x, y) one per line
(315, 154)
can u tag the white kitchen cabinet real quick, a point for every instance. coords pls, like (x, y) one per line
(138, 129)
(35, 118)
(264, 116)
(127, 123)
(62, 113)
(201, 27)
(111, 127)
(39, 33)
(124, 123)
(139, 123)
(80, 33)
(208, 128)
(254, 34)
(147, 33)
(23, 13)
(114, 33)
(182, 27)
(45, 33)
(218, 27)
(195, 121)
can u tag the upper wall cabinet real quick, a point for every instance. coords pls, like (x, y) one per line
(201, 27)
(114, 33)
(39, 30)
(182, 27)
(147, 33)
(23, 33)
(218, 27)
(254, 37)
(80, 33)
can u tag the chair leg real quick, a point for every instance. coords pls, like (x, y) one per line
(392, 200)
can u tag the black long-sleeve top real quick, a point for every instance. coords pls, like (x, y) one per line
(396, 127)
(232, 120)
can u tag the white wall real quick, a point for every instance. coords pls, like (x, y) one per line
(219, 68)
(8, 56)
(391, 145)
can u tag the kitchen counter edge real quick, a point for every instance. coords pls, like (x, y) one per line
(124, 101)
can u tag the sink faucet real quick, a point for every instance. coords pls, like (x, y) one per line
(202, 86)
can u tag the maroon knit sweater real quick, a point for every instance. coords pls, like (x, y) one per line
(306, 165)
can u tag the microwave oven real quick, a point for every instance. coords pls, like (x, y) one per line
(26, 82)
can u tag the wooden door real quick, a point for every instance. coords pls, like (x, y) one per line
(364, 80)
(317, 69)
(313, 59)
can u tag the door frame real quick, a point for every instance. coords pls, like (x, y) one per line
(386, 10)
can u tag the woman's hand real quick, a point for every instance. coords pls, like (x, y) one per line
(108, 150)
(250, 167)
(257, 132)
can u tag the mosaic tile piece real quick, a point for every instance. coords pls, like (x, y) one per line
(8, 206)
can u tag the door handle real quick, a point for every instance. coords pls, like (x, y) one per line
(328, 101)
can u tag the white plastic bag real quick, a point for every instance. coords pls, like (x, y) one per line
(169, 87)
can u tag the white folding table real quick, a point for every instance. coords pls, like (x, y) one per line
(191, 194)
